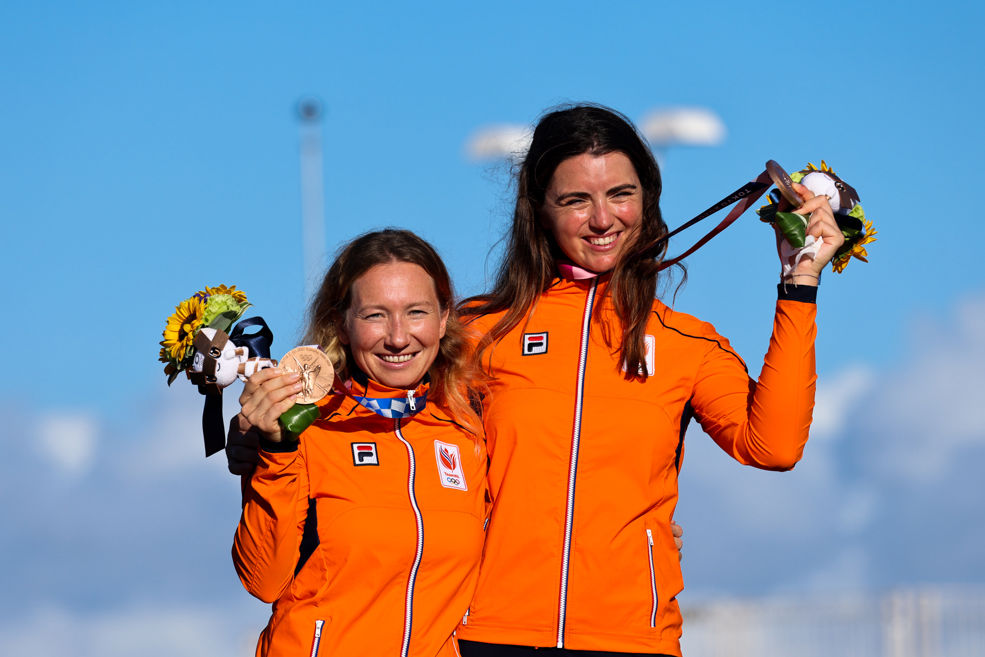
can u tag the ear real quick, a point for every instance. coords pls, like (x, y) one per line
(340, 329)
(444, 324)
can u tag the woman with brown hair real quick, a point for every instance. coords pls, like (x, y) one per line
(365, 533)
(592, 384)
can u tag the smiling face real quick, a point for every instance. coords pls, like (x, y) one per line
(394, 324)
(593, 206)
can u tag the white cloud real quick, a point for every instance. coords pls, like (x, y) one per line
(928, 411)
(890, 449)
(68, 441)
(689, 126)
(499, 141)
(163, 436)
(836, 397)
(188, 630)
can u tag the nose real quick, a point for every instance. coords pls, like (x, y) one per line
(601, 219)
(397, 335)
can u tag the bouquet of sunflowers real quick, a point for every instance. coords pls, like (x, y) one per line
(215, 307)
(201, 341)
(845, 205)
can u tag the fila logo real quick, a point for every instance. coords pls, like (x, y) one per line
(450, 471)
(365, 454)
(649, 346)
(534, 343)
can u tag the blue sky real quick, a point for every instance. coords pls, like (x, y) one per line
(148, 150)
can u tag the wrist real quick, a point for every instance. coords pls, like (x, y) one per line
(801, 278)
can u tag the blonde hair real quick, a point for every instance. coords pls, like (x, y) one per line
(453, 374)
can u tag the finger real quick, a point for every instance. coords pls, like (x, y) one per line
(267, 413)
(802, 191)
(260, 376)
(265, 379)
(270, 390)
(676, 529)
(822, 223)
(816, 204)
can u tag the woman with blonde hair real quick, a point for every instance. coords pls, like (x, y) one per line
(365, 532)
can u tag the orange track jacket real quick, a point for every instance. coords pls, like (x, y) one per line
(366, 534)
(583, 471)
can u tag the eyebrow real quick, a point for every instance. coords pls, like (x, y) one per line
(413, 304)
(609, 192)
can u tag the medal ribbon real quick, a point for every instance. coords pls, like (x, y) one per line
(745, 196)
(257, 342)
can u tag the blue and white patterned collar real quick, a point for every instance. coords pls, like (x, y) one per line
(386, 403)
(394, 407)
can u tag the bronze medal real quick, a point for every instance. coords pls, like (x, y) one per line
(315, 369)
(783, 183)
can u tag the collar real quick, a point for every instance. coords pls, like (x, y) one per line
(384, 400)
(573, 272)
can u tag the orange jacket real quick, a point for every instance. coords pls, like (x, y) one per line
(366, 534)
(583, 472)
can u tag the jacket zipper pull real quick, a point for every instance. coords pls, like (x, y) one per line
(410, 400)
(649, 537)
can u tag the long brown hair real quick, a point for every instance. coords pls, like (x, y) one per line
(529, 265)
(452, 371)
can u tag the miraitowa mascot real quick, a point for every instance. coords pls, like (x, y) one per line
(201, 340)
(845, 205)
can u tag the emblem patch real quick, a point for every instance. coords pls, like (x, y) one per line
(365, 454)
(649, 346)
(534, 343)
(450, 470)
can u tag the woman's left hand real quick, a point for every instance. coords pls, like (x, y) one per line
(820, 224)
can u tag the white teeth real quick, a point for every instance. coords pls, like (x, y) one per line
(602, 241)
(402, 358)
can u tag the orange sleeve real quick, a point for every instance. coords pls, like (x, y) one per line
(268, 538)
(763, 423)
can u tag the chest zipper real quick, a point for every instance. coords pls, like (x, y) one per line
(573, 463)
(412, 579)
(317, 638)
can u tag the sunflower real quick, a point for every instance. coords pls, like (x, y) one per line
(238, 295)
(857, 249)
(179, 334)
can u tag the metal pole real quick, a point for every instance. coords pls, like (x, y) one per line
(312, 195)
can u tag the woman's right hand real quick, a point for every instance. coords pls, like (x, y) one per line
(266, 396)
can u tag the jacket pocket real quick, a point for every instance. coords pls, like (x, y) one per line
(653, 579)
(316, 639)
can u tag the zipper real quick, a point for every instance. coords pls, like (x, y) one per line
(317, 639)
(412, 579)
(653, 578)
(410, 400)
(465, 618)
(573, 464)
